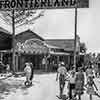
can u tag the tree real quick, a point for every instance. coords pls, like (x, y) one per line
(21, 17)
(16, 19)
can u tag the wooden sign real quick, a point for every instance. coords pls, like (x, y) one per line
(42, 4)
(33, 46)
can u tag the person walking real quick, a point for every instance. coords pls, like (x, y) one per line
(96, 70)
(61, 74)
(79, 83)
(44, 63)
(8, 68)
(32, 72)
(28, 72)
(90, 87)
(89, 71)
(71, 85)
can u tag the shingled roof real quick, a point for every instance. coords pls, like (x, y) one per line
(66, 44)
(28, 34)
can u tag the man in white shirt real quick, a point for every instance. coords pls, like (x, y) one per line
(61, 74)
(27, 71)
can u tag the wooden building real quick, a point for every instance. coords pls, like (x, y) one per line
(5, 46)
(64, 49)
(30, 47)
(33, 48)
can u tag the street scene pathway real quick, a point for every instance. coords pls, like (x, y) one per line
(44, 87)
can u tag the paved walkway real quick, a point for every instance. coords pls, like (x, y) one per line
(44, 87)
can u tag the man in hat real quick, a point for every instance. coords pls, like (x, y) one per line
(61, 74)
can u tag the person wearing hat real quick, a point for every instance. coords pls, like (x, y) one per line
(61, 74)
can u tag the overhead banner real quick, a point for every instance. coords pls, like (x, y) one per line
(42, 4)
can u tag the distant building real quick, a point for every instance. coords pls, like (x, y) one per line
(55, 50)
(30, 47)
(64, 46)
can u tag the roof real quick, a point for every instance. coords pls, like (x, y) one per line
(51, 35)
(66, 44)
(28, 34)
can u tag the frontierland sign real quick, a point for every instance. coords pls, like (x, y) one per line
(42, 4)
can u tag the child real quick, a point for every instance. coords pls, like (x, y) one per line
(28, 72)
(90, 87)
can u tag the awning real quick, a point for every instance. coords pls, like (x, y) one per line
(59, 53)
(82, 54)
(5, 51)
(51, 46)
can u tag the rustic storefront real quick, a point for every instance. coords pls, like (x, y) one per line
(5, 46)
(30, 48)
(64, 49)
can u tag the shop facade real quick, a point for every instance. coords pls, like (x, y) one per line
(5, 47)
(30, 48)
(63, 49)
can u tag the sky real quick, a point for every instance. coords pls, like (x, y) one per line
(59, 24)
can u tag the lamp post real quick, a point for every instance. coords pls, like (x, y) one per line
(75, 35)
(13, 40)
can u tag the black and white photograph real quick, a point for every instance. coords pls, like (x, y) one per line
(49, 50)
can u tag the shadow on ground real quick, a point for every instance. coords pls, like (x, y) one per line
(12, 84)
(8, 86)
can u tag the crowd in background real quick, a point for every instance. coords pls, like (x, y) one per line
(75, 76)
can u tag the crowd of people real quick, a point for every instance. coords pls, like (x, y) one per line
(76, 81)
(75, 77)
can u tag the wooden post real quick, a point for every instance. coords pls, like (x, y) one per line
(13, 41)
(1, 56)
(68, 60)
